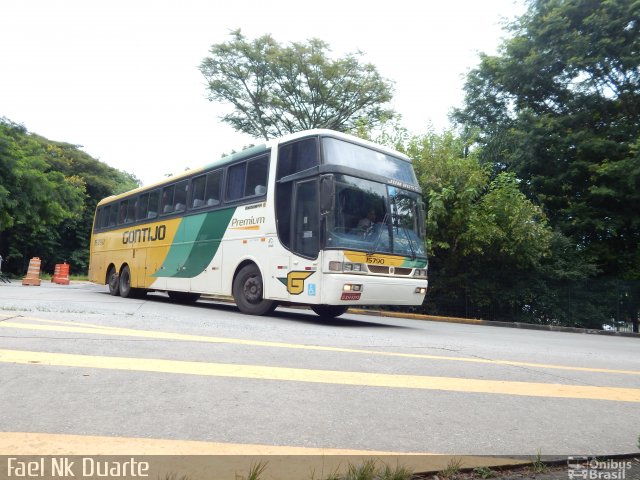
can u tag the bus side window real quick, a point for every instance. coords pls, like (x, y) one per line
(214, 182)
(154, 197)
(104, 216)
(113, 215)
(235, 181)
(143, 207)
(122, 213)
(167, 199)
(131, 211)
(257, 172)
(180, 196)
(297, 156)
(197, 189)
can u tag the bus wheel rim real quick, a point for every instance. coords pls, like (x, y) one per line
(253, 289)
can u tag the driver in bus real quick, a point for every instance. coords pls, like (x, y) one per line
(369, 221)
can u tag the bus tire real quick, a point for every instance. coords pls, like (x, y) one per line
(247, 292)
(114, 282)
(329, 311)
(125, 283)
(184, 297)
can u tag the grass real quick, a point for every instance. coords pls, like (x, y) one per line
(484, 472)
(537, 464)
(255, 470)
(77, 278)
(453, 468)
(369, 470)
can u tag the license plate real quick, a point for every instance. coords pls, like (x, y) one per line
(350, 296)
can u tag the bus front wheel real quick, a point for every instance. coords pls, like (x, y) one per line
(329, 311)
(248, 289)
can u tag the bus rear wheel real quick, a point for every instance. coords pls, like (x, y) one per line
(114, 282)
(329, 311)
(248, 289)
(125, 283)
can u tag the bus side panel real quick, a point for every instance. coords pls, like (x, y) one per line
(138, 267)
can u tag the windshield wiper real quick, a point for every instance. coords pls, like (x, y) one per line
(375, 245)
(413, 252)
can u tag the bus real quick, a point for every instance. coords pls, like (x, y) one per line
(317, 218)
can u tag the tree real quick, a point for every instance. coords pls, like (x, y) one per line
(484, 237)
(277, 89)
(31, 192)
(559, 107)
(48, 194)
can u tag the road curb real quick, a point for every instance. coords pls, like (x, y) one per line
(490, 323)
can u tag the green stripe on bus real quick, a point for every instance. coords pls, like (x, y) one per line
(418, 263)
(195, 244)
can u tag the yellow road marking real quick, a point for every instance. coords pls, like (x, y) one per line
(76, 327)
(25, 443)
(323, 376)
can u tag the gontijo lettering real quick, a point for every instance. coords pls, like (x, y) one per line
(147, 234)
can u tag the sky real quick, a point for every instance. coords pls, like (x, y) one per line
(121, 79)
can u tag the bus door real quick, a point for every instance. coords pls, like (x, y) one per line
(303, 282)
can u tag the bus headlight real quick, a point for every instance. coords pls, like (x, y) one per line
(352, 287)
(335, 266)
(347, 267)
(420, 273)
(421, 290)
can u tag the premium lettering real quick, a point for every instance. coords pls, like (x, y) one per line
(247, 221)
(147, 234)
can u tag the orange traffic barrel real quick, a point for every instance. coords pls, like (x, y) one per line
(56, 273)
(33, 273)
(61, 275)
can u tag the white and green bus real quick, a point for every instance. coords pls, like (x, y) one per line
(316, 218)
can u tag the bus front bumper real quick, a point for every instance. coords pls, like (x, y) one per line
(345, 289)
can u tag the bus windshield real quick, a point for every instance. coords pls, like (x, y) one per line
(339, 152)
(375, 218)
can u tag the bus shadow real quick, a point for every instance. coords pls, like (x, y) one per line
(309, 317)
(298, 315)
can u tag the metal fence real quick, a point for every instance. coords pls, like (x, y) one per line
(610, 304)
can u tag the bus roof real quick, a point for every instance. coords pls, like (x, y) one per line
(256, 150)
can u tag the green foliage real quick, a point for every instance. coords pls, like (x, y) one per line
(452, 469)
(484, 235)
(276, 89)
(255, 471)
(48, 194)
(558, 107)
(33, 193)
(484, 472)
(537, 463)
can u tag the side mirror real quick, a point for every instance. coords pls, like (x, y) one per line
(327, 194)
(422, 231)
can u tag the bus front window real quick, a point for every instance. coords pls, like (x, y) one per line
(373, 217)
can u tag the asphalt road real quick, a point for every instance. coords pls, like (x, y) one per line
(76, 362)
